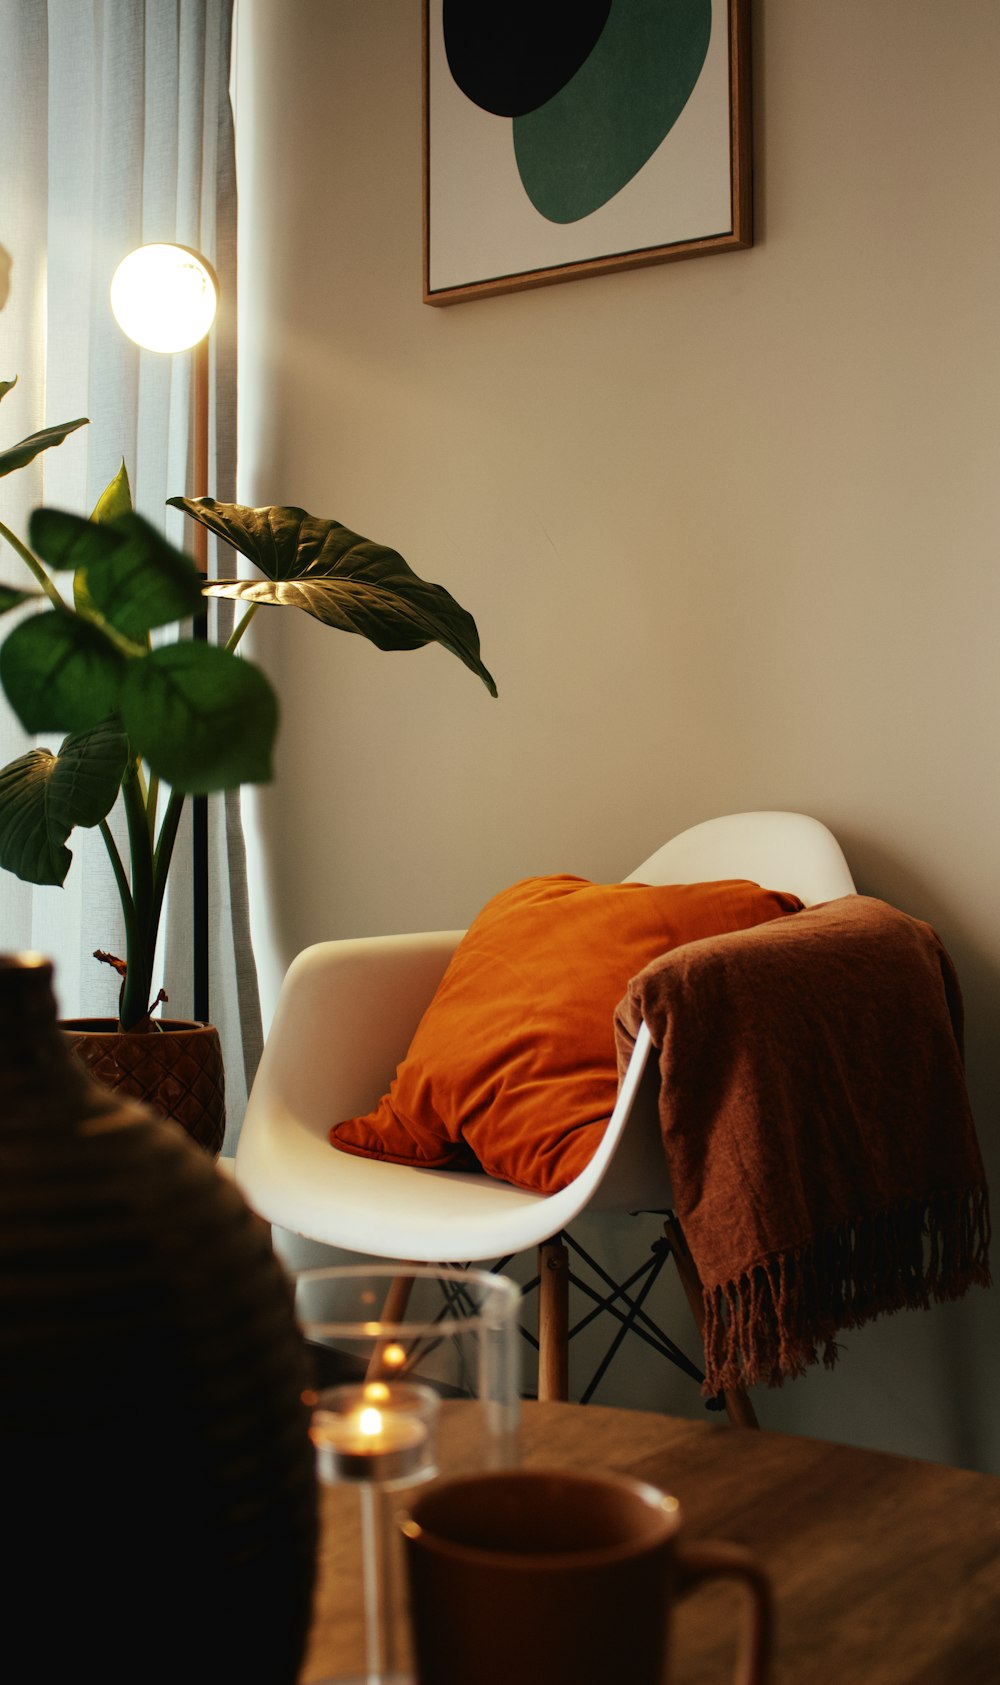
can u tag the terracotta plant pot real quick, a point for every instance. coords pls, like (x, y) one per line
(176, 1069)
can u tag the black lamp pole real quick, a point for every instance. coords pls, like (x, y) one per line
(199, 804)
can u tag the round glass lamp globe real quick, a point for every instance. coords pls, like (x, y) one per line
(164, 297)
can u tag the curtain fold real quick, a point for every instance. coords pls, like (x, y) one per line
(116, 130)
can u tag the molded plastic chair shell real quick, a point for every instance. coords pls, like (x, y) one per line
(345, 1017)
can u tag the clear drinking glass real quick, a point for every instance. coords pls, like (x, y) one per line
(416, 1375)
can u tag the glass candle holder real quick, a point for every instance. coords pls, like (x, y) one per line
(376, 1432)
(416, 1375)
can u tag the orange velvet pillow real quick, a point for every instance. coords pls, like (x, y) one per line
(512, 1066)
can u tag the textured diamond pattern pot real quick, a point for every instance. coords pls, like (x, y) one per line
(158, 1481)
(176, 1069)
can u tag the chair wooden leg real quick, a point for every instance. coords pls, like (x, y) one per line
(738, 1406)
(553, 1321)
(393, 1310)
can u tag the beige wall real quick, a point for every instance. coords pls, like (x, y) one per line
(728, 527)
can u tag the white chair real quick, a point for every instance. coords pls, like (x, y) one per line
(345, 1017)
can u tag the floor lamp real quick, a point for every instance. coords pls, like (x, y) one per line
(164, 297)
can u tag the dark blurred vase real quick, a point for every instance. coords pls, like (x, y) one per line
(159, 1494)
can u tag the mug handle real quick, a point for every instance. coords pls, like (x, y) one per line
(699, 1562)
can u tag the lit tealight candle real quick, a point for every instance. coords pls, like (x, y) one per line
(374, 1433)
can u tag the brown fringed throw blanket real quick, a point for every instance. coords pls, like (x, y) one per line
(817, 1128)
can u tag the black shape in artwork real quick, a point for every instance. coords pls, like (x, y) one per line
(510, 56)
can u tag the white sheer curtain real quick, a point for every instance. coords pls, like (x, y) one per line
(116, 129)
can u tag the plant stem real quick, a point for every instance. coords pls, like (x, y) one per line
(164, 851)
(238, 631)
(142, 948)
(121, 879)
(152, 802)
(35, 565)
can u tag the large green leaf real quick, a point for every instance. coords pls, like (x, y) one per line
(43, 796)
(18, 456)
(67, 541)
(60, 673)
(203, 718)
(135, 579)
(342, 579)
(392, 613)
(283, 542)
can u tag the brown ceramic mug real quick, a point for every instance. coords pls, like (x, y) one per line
(538, 1576)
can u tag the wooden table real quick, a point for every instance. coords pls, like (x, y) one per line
(886, 1570)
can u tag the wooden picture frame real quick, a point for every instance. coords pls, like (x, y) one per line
(507, 198)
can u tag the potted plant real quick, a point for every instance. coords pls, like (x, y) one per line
(146, 725)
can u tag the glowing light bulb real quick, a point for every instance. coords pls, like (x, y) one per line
(164, 297)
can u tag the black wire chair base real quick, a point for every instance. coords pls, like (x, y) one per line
(623, 1301)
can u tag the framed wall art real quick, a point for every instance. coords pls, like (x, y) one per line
(566, 138)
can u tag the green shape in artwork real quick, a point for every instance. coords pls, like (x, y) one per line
(581, 147)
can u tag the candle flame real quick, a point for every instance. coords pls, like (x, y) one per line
(376, 1392)
(370, 1422)
(393, 1356)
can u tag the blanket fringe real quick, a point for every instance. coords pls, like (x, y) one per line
(769, 1323)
